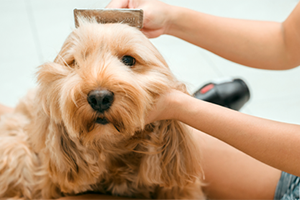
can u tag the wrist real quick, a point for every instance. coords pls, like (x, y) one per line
(171, 19)
(176, 104)
(176, 18)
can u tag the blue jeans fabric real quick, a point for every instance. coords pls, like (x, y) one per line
(288, 187)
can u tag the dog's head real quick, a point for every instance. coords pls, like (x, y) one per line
(103, 81)
(98, 92)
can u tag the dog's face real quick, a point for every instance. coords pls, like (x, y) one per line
(103, 82)
(93, 98)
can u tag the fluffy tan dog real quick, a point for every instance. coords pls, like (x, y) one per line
(84, 129)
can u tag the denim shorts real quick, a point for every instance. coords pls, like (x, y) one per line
(288, 187)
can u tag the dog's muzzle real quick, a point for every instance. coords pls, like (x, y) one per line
(100, 100)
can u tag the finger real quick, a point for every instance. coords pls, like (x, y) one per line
(151, 33)
(118, 4)
(146, 34)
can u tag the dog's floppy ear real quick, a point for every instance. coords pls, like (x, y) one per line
(175, 157)
(63, 161)
(59, 151)
(48, 136)
(181, 155)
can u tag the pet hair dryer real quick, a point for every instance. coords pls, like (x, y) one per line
(230, 93)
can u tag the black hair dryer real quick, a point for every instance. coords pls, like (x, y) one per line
(230, 93)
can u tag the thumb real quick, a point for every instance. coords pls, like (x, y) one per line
(152, 33)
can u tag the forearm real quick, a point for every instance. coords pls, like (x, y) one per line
(274, 143)
(256, 44)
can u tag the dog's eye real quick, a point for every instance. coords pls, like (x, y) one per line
(128, 60)
(72, 63)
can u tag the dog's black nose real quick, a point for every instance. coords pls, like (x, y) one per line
(100, 100)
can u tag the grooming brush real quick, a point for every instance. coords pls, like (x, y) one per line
(132, 17)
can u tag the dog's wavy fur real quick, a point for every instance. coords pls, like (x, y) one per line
(51, 146)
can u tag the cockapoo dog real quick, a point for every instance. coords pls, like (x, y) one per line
(84, 129)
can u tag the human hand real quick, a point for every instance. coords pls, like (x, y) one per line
(156, 14)
(165, 107)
